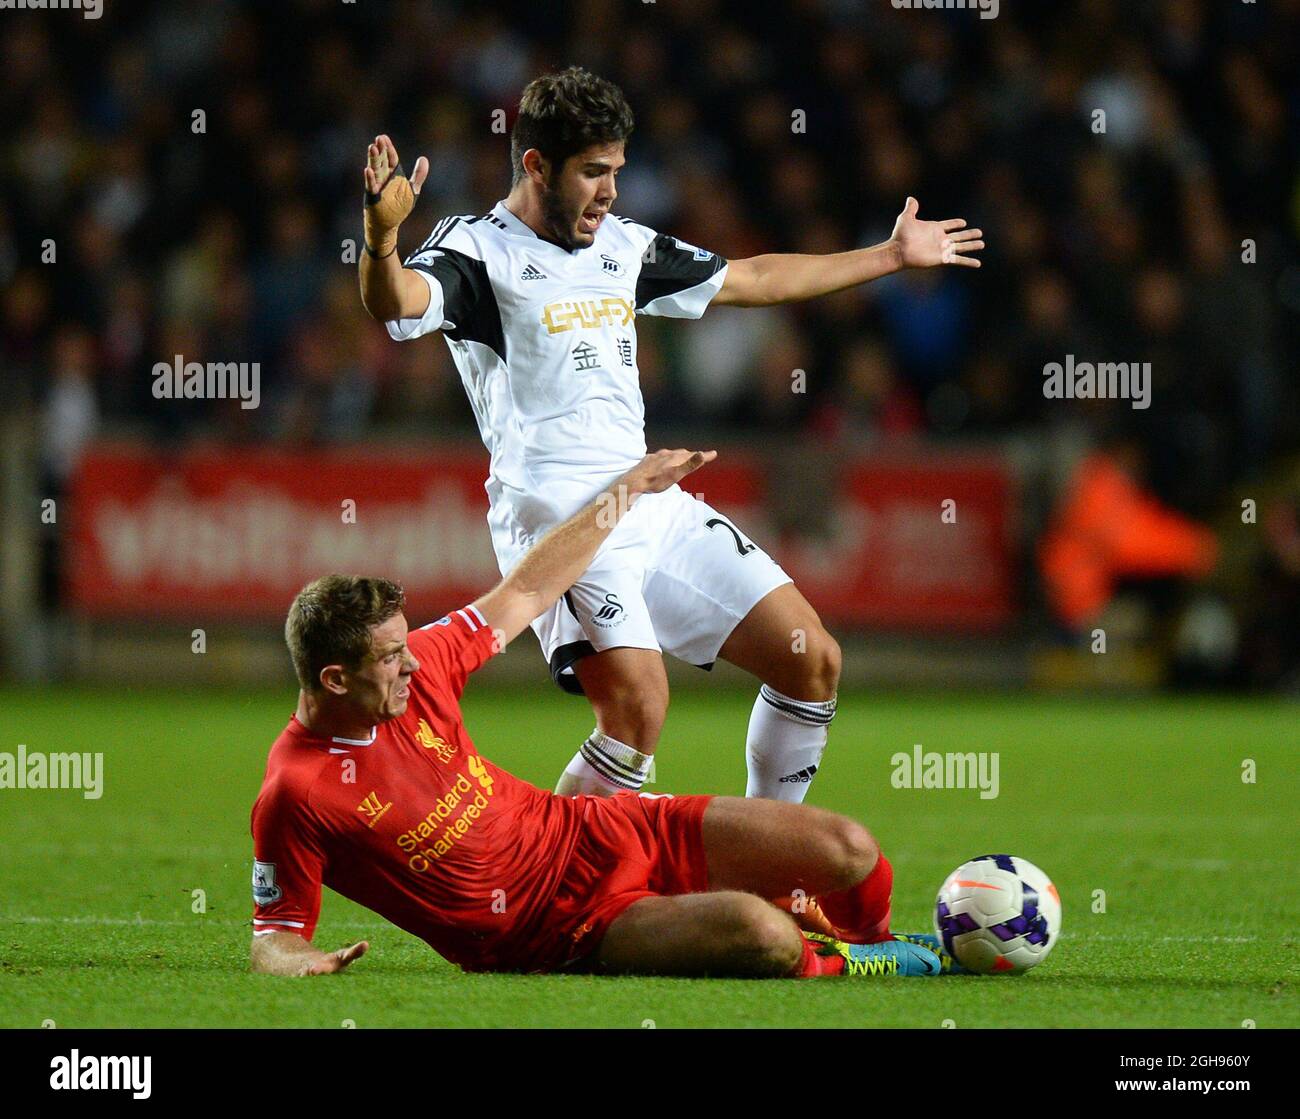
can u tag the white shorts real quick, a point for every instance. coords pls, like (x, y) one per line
(674, 576)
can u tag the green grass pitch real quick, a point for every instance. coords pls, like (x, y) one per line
(1142, 799)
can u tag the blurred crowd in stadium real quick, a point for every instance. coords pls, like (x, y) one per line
(1169, 237)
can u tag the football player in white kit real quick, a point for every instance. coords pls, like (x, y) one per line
(537, 300)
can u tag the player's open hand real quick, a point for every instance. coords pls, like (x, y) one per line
(923, 244)
(336, 961)
(390, 195)
(657, 471)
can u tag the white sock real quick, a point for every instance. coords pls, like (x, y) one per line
(604, 766)
(786, 740)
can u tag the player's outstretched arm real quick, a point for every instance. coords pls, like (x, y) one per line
(557, 561)
(760, 281)
(389, 291)
(286, 953)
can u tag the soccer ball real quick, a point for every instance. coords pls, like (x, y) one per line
(998, 913)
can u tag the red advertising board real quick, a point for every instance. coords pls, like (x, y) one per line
(236, 533)
(902, 556)
(233, 533)
(893, 554)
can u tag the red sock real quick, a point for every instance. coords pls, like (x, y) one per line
(813, 965)
(861, 913)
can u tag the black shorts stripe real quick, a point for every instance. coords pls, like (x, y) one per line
(563, 659)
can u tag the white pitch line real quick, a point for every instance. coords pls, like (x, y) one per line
(27, 919)
(1189, 940)
(199, 919)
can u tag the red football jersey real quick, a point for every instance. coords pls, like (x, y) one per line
(413, 823)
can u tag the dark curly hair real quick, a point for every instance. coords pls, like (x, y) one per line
(564, 113)
(330, 619)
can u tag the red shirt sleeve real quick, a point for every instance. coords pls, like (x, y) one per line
(453, 647)
(288, 864)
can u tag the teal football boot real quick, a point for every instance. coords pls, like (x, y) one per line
(890, 957)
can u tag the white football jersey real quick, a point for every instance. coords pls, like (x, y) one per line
(545, 342)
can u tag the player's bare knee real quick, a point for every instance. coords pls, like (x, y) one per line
(778, 944)
(813, 673)
(761, 937)
(823, 666)
(855, 852)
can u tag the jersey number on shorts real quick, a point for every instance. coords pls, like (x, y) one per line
(742, 546)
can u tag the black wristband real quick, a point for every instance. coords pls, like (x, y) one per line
(377, 256)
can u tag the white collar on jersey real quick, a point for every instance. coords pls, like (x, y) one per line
(374, 731)
(516, 225)
(520, 228)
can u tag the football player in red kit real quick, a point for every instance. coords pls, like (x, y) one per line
(376, 790)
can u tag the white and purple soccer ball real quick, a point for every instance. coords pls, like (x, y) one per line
(998, 913)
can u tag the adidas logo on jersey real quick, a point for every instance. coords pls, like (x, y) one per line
(800, 778)
(531, 273)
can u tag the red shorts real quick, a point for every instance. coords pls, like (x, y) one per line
(631, 846)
